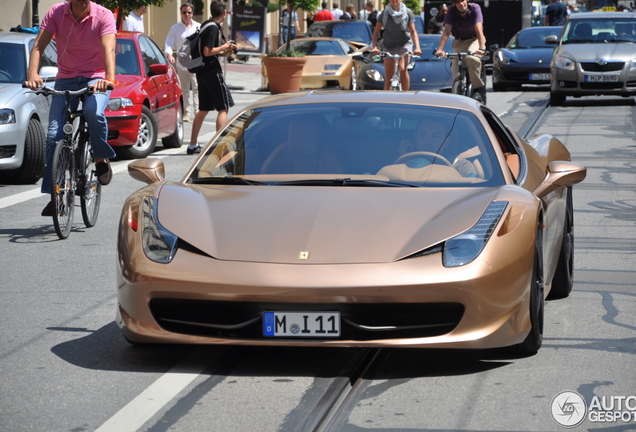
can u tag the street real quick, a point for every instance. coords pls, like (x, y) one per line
(66, 366)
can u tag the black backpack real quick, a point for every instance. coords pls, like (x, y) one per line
(189, 53)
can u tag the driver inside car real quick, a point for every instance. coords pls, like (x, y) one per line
(432, 136)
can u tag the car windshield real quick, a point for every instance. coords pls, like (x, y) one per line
(315, 47)
(12, 63)
(352, 144)
(126, 58)
(600, 30)
(352, 31)
(533, 38)
(428, 45)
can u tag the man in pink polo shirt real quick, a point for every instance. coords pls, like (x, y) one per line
(85, 33)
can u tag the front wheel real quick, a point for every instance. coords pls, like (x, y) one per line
(458, 88)
(146, 137)
(63, 189)
(89, 188)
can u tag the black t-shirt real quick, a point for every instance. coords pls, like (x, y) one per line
(212, 37)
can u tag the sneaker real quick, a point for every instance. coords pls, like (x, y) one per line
(186, 118)
(48, 210)
(194, 150)
(103, 172)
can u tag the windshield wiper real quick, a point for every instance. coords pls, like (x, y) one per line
(231, 180)
(344, 182)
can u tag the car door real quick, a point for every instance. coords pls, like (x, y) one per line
(161, 87)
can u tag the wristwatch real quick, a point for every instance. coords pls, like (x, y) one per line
(482, 49)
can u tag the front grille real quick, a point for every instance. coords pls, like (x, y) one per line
(601, 85)
(595, 67)
(212, 318)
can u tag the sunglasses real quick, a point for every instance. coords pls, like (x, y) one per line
(186, 13)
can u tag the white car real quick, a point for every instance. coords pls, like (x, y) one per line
(595, 55)
(24, 116)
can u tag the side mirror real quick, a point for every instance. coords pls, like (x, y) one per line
(552, 40)
(147, 170)
(560, 173)
(158, 69)
(360, 57)
(48, 72)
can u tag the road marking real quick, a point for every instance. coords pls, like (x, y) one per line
(35, 193)
(141, 409)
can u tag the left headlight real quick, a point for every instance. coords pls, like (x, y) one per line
(7, 116)
(465, 247)
(118, 103)
(564, 62)
(633, 65)
(159, 244)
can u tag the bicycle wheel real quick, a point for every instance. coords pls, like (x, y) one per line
(458, 88)
(63, 189)
(89, 188)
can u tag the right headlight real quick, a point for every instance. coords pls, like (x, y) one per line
(502, 58)
(158, 243)
(564, 62)
(374, 75)
(465, 247)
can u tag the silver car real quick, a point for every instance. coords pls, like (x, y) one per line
(23, 115)
(596, 55)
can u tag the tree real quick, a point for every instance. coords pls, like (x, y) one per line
(123, 7)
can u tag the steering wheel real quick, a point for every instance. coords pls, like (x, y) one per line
(430, 156)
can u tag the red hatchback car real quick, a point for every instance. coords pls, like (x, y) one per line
(146, 103)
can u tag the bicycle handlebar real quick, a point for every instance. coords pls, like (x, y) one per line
(394, 56)
(47, 91)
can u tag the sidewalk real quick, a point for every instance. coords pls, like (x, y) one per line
(244, 76)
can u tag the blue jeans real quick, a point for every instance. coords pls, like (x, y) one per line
(293, 34)
(94, 107)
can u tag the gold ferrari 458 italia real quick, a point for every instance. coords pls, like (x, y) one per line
(352, 219)
(331, 63)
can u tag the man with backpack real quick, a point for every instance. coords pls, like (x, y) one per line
(175, 38)
(213, 92)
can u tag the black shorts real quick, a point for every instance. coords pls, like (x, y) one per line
(213, 92)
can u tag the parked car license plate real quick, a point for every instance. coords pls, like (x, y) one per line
(301, 324)
(601, 78)
(540, 77)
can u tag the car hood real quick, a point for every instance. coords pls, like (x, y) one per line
(124, 84)
(530, 55)
(273, 224)
(596, 51)
(9, 93)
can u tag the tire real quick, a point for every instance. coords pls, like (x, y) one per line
(498, 87)
(63, 189)
(146, 137)
(457, 88)
(532, 343)
(176, 139)
(557, 99)
(34, 155)
(354, 79)
(89, 188)
(564, 275)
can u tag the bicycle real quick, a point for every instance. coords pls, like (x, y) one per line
(73, 166)
(461, 83)
(396, 83)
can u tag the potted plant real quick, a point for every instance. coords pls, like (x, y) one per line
(284, 67)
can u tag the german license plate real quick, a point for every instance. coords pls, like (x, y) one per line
(540, 77)
(601, 78)
(301, 324)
